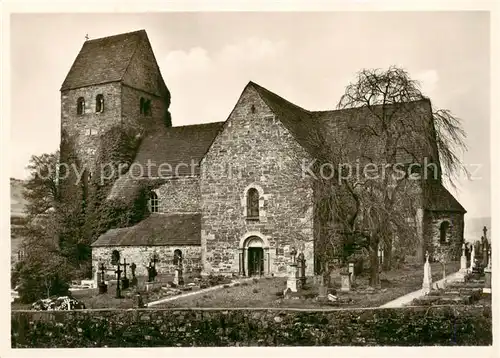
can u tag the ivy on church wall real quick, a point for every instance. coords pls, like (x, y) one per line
(85, 211)
(117, 149)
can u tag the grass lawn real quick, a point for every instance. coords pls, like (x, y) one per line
(265, 292)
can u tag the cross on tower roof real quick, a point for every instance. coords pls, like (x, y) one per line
(86, 37)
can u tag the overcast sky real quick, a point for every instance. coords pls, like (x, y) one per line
(308, 58)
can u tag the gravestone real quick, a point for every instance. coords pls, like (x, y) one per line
(427, 283)
(322, 291)
(97, 275)
(302, 269)
(332, 276)
(345, 282)
(291, 282)
(125, 280)
(463, 261)
(178, 278)
(103, 288)
(151, 272)
(463, 265)
(138, 300)
(472, 258)
(487, 275)
(118, 275)
(484, 249)
(351, 272)
(133, 282)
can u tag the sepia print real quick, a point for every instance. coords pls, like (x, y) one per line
(261, 179)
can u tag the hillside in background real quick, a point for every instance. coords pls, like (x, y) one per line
(474, 228)
(17, 215)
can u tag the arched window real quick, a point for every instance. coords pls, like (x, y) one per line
(80, 106)
(141, 105)
(115, 257)
(253, 203)
(177, 257)
(153, 202)
(99, 103)
(443, 232)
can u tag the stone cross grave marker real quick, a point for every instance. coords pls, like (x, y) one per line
(302, 269)
(103, 288)
(133, 267)
(463, 260)
(125, 280)
(178, 278)
(351, 272)
(322, 290)
(291, 282)
(118, 275)
(487, 275)
(472, 258)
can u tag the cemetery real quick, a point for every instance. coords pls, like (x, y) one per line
(119, 287)
(413, 305)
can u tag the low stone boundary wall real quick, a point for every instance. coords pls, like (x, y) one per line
(439, 325)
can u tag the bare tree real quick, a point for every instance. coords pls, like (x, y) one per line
(389, 131)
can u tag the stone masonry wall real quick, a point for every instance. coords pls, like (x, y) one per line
(459, 325)
(141, 256)
(179, 195)
(131, 109)
(85, 129)
(255, 150)
(455, 236)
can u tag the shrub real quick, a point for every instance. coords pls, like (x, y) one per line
(255, 290)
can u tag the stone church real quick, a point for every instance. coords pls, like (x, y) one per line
(233, 199)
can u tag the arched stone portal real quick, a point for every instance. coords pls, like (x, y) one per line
(254, 255)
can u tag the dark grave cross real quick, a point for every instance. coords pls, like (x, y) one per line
(133, 267)
(133, 282)
(152, 267)
(103, 288)
(155, 259)
(302, 269)
(102, 268)
(151, 272)
(125, 280)
(118, 273)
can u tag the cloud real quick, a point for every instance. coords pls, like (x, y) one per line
(193, 61)
(194, 74)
